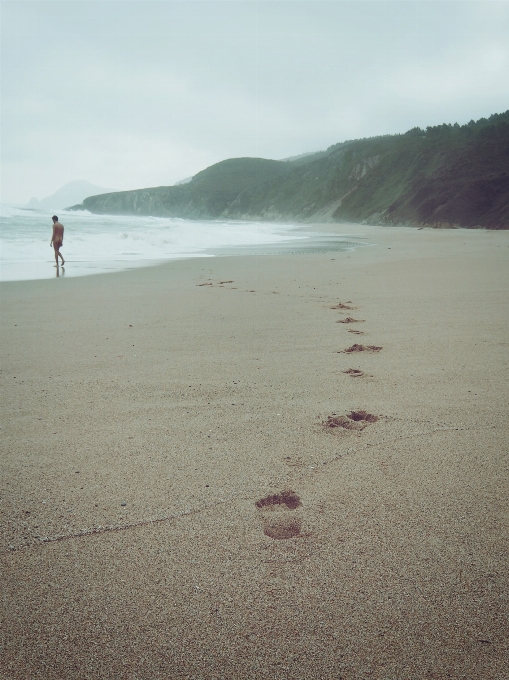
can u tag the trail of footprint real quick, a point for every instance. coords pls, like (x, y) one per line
(352, 372)
(354, 348)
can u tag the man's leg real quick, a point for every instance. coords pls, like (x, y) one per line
(57, 253)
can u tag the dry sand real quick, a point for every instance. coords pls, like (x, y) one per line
(156, 411)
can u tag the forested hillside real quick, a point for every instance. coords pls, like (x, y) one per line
(448, 175)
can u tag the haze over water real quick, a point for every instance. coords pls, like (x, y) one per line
(96, 244)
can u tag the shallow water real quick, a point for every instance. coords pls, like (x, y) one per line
(96, 244)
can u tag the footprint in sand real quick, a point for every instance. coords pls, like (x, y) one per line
(354, 372)
(360, 348)
(355, 420)
(351, 330)
(280, 514)
(342, 305)
(349, 319)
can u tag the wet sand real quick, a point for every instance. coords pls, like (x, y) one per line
(146, 412)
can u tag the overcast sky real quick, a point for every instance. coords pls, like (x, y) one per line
(136, 94)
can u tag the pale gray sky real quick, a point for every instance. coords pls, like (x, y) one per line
(137, 94)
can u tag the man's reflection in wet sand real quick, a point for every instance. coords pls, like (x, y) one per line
(60, 271)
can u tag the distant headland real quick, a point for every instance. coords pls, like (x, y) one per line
(444, 176)
(73, 192)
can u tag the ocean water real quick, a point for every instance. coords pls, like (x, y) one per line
(104, 243)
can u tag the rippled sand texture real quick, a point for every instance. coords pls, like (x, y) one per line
(145, 415)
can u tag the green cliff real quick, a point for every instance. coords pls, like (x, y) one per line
(448, 175)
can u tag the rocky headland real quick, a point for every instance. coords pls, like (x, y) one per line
(444, 176)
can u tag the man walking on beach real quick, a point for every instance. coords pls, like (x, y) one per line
(58, 238)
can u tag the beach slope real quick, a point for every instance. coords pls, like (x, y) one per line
(146, 413)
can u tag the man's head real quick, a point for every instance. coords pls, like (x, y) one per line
(54, 218)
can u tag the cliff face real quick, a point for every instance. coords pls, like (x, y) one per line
(442, 176)
(206, 196)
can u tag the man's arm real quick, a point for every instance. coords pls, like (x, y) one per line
(52, 236)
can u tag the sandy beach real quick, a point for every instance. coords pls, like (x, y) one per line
(146, 412)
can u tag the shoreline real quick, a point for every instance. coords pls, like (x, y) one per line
(312, 240)
(168, 400)
(322, 237)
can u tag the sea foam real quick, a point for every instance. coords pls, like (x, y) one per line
(97, 243)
